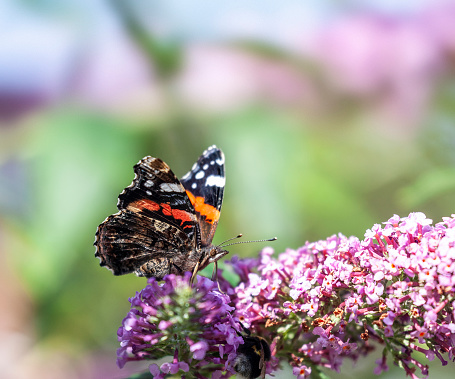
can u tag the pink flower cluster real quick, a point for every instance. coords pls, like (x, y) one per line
(327, 300)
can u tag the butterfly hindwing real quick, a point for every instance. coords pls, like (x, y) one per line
(204, 185)
(126, 241)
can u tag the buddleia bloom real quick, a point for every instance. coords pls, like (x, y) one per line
(327, 300)
(192, 325)
(317, 306)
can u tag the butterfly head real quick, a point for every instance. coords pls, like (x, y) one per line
(211, 254)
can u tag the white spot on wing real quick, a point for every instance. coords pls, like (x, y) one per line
(200, 175)
(215, 180)
(205, 167)
(148, 183)
(220, 161)
(186, 176)
(209, 151)
(193, 186)
(148, 192)
(171, 187)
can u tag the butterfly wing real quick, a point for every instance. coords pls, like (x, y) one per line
(133, 242)
(204, 185)
(156, 228)
(157, 193)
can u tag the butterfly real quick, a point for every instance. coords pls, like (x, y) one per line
(165, 225)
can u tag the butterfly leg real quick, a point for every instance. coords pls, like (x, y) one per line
(195, 270)
(156, 267)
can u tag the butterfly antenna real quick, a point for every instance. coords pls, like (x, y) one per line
(236, 243)
(230, 239)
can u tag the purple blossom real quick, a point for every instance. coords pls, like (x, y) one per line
(381, 365)
(192, 324)
(302, 372)
(199, 349)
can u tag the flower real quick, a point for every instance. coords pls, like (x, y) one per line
(302, 372)
(192, 324)
(316, 306)
(336, 294)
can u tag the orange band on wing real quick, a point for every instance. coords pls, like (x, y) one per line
(184, 216)
(144, 204)
(166, 209)
(178, 214)
(211, 213)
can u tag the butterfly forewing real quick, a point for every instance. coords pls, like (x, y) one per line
(157, 193)
(204, 185)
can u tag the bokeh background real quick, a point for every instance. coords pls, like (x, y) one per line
(333, 116)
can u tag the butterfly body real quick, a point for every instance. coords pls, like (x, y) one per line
(165, 225)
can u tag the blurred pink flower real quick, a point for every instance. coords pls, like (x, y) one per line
(440, 23)
(223, 78)
(390, 61)
(216, 77)
(367, 55)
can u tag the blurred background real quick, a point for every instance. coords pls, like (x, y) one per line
(333, 116)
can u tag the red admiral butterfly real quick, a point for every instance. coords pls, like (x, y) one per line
(165, 226)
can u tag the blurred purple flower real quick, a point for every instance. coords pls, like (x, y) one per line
(46, 58)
